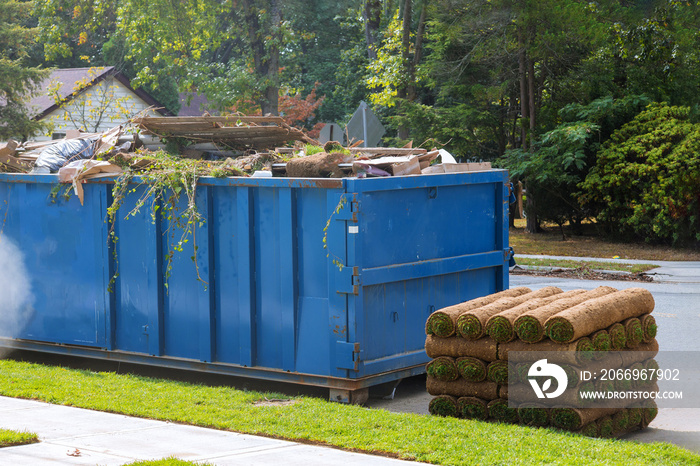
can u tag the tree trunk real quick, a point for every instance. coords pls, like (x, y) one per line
(402, 90)
(265, 56)
(522, 73)
(417, 55)
(531, 99)
(372, 14)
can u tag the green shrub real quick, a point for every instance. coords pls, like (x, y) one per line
(646, 182)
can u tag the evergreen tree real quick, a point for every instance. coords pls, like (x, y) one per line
(17, 81)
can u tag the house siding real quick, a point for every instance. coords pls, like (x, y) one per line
(98, 108)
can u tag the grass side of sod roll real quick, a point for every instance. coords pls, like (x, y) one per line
(443, 405)
(471, 407)
(440, 324)
(437, 440)
(618, 336)
(529, 329)
(471, 369)
(442, 368)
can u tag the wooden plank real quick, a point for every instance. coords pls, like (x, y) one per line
(388, 150)
(8, 159)
(9, 148)
(209, 119)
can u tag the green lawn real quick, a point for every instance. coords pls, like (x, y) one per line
(425, 438)
(166, 462)
(11, 438)
(596, 265)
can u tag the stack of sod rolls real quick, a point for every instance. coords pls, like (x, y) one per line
(469, 345)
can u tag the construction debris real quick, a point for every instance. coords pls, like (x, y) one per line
(230, 145)
(8, 161)
(240, 132)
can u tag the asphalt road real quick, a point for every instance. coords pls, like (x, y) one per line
(676, 291)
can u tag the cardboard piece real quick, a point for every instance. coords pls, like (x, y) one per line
(78, 171)
(457, 167)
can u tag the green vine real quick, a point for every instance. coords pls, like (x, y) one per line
(341, 205)
(165, 180)
(66, 192)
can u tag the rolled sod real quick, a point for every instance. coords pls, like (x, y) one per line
(497, 372)
(648, 327)
(572, 375)
(599, 313)
(641, 353)
(576, 418)
(533, 415)
(649, 413)
(460, 387)
(605, 427)
(442, 322)
(471, 407)
(635, 416)
(621, 421)
(472, 369)
(503, 392)
(633, 331)
(499, 411)
(472, 324)
(443, 368)
(622, 384)
(444, 405)
(523, 393)
(601, 340)
(530, 326)
(500, 326)
(605, 385)
(589, 430)
(456, 347)
(576, 353)
(618, 336)
(522, 369)
(651, 366)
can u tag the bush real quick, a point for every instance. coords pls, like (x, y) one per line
(646, 182)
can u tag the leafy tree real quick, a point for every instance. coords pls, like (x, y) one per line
(80, 33)
(393, 71)
(562, 158)
(17, 81)
(646, 181)
(321, 54)
(229, 51)
(654, 51)
(73, 32)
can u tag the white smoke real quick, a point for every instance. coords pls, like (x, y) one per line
(16, 299)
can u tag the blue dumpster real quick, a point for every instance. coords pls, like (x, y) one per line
(324, 282)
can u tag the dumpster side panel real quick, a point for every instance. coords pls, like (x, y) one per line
(423, 243)
(232, 228)
(63, 248)
(317, 327)
(409, 226)
(271, 284)
(187, 308)
(395, 313)
(138, 286)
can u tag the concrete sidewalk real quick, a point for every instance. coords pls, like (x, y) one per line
(80, 436)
